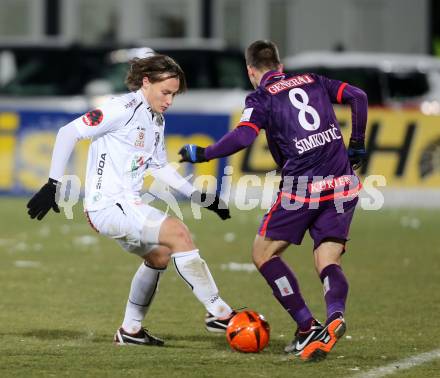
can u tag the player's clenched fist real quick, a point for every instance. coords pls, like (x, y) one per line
(192, 154)
(211, 202)
(356, 153)
(42, 201)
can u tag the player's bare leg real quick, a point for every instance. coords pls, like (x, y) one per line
(328, 266)
(195, 272)
(328, 253)
(265, 248)
(266, 256)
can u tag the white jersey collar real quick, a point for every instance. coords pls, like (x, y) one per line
(155, 117)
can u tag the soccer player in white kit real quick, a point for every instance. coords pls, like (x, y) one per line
(127, 134)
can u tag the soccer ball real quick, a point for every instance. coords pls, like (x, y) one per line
(248, 332)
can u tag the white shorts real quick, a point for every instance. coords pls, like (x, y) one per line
(134, 226)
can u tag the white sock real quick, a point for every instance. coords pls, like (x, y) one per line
(195, 272)
(143, 288)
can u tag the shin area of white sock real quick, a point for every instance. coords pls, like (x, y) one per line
(195, 272)
(143, 289)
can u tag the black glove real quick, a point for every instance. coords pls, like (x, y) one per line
(356, 153)
(43, 201)
(211, 202)
(192, 154)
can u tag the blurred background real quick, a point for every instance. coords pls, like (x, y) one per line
(60, 58)
(403, 26)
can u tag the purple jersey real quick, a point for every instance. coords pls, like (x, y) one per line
(304, 138)
(301, 128)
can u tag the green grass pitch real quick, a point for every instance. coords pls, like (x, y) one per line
(63, 292)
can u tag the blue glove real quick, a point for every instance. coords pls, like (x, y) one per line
(356, 153)
(192, 154)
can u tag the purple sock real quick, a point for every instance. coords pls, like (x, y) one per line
(285, 288)
(335, 291)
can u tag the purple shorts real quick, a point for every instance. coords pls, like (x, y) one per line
(323, 222)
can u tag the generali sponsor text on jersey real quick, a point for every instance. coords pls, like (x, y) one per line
(293, 82)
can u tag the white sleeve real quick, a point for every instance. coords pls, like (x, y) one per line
(64, 144)
(94, 123)
(109, 117)
(159, 158)
(170, 176)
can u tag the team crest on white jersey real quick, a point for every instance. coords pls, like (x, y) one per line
(140, 139)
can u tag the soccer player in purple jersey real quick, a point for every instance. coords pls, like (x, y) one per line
(304, 138)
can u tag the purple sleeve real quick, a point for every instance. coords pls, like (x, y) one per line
(343, 93)
(359, 109)
(232, 142)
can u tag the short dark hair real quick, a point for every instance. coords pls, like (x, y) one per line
(157, 68)
(263, 54)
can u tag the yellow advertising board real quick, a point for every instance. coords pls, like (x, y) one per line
(404, 146)
(27, 139)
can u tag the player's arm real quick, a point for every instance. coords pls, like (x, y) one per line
(252, 119)
(89, 125)
(343, 93)
(229, 144)
(161, 170)
(44, 200)
(168, 175)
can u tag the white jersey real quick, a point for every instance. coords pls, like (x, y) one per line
(127, 138)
